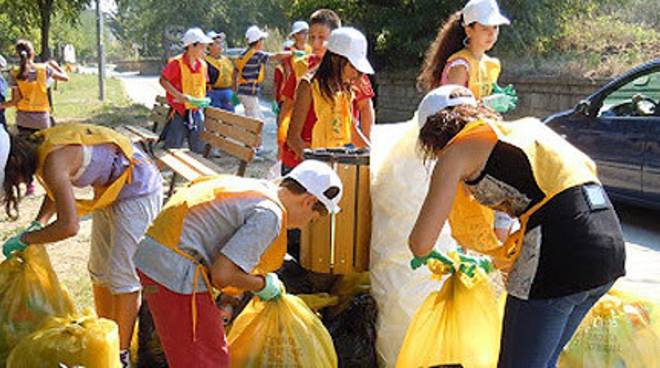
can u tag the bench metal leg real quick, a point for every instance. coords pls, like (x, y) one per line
(172, 185)
(241, 168)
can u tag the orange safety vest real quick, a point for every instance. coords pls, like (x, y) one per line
(34, 96)
(192, 84)
(166, 229)
(225, 71)
(86, 135)
(482, 73)
(240, 65)
(556, 165)
(333, 118)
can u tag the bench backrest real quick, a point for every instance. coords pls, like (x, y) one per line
(159, 113)
(236, 135)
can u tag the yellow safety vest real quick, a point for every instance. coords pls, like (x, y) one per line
(333, 118)
(556, 166)
(86, 135)
(34, 96)
(166, 229)
(225, 71)
(240, 64)
(192, 84)
(482, 73)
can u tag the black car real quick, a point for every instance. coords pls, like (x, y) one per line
(619, 127)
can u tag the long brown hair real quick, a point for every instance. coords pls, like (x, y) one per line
(25, 52)
(441, 127)
(21, 167)
(448, 41)
(329, 75)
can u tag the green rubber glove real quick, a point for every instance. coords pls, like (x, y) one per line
(273, 288)
(199, 102)
(500, 102)
(299, 53)
(34, 226)
(275, 108)
(418, 262)
(234, 99)
(14, 244)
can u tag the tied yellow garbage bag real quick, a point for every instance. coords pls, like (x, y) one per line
(621, 330)
(460, 324)
(29, 293)
(280, 333)
(88, 342)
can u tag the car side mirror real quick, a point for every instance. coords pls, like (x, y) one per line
(583, 107)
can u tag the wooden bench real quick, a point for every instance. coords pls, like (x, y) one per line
(140, 135)
(159, 113)
(235, 135)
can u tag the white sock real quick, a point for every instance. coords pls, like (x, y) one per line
(125, 358)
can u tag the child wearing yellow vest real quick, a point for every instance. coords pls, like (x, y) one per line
(228, 233)
(29, 85)
(569, 249)
(127, 196)
(297, 42)
(221, 74)
(458, 56)
(322, 114)
(184, 78)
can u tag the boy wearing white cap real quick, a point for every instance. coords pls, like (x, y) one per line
(297, 42)
(184, 79)
(229, 233)
(251, 69)
(221, 73)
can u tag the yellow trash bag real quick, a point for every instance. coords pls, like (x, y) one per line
(29, 293)
(460, 324)
(88, 342)
(621, 330)
(280, 333)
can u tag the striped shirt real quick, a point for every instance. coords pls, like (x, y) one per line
(251, 72)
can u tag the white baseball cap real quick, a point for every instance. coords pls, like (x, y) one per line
(213, 35)
(351, 43)
(317, 178)
(195, 35)
(486, 12)
(298, 27)
(254, 34)
(440, 98)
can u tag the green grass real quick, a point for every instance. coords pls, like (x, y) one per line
(77, 101)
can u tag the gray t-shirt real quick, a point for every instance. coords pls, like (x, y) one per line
(240, 229)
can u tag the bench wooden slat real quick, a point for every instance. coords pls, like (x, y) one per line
(219, 127)
(160, 110)
(241, 152)
(188, 164)
(161, 100)
(143, 134)
(253, 125)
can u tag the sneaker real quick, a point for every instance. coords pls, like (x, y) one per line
(125, 359)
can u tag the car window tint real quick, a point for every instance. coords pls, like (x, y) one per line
(638, 97)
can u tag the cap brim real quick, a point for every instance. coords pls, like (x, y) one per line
(495, 20)
(363, 66)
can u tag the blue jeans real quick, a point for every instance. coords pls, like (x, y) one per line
(221, 98)
(535, 331)
(180, 129)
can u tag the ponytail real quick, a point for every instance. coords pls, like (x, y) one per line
(25, 52)
(448, 41)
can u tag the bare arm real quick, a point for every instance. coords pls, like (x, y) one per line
(46, 211)
(15, 97)
(234, 80)
(57, 170)
(279, 56)
(180, 97)
(58, 73)
(367, 116)
(301, 106)
(225, 273)
(458, 75)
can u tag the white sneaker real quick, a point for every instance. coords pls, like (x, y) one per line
(125, 358)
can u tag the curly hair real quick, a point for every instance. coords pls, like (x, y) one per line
(441, 127)
(448, 41)
(21, 167)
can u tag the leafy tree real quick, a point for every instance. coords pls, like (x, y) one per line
(27, 15)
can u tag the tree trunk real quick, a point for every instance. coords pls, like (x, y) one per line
(45, 10)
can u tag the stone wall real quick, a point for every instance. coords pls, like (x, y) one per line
(397, 97)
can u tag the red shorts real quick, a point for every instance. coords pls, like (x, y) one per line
(172, 315)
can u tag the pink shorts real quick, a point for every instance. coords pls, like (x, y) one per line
(172, 315)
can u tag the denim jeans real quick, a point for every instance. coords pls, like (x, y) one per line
(535, 331)
(221, 98)
(178, 130)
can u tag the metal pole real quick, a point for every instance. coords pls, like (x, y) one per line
(101, 56)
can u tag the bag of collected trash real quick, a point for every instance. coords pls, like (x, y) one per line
(460, 324)
(87, 341)
(29, 293)
(621, 330)
(353, 331)
(282, 332)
